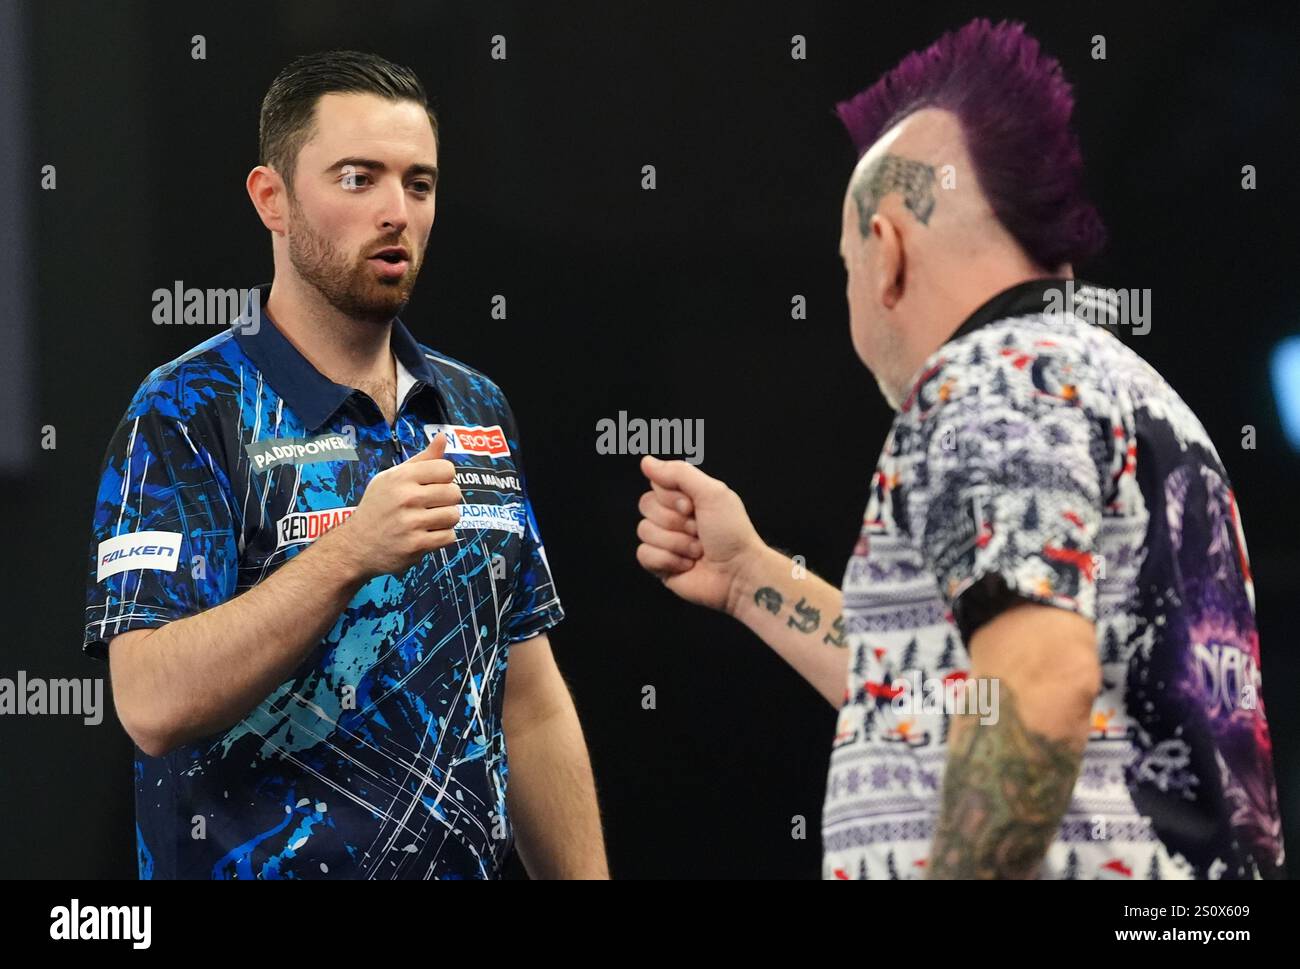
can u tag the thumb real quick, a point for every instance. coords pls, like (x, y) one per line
(434, 449)
(678, 476)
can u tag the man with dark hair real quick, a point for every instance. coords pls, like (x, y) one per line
(1044, 654)
(314, 554)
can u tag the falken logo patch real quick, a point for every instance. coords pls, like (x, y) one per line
(138, 550)
(304, 450)
(463, 439)
(307, 526)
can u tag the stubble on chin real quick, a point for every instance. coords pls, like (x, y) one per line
(352, 289)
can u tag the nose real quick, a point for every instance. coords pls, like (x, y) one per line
(392, 215)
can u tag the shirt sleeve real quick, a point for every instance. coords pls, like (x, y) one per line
(536, 605)
(163, 538)
(1015, 497)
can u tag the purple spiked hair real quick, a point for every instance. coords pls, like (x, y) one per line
(1014, 106)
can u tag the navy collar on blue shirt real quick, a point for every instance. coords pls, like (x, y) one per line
(312, 395)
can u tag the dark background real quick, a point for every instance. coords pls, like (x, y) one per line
(671, 303)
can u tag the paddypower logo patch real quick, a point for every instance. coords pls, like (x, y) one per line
(305, 450)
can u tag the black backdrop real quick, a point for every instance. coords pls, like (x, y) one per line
(666, 303)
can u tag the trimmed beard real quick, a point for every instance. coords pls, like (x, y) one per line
(352, 289)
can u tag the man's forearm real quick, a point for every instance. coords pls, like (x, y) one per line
(201, 674)
(551, 797)
(800, 616)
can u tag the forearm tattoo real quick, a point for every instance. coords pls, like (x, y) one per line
(805, 617)
(893, 173)
(1004, 793)
(808, 617)
(769, 599)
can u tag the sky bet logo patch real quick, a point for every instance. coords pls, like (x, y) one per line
(307, 450)
(490, 441)
(138, 550)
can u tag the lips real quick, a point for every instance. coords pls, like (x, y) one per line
(391, 261)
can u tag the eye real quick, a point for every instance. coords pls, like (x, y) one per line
(350, 180)
(423, 186)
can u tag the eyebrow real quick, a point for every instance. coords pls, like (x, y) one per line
(418, 168)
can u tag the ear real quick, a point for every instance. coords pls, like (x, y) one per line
(267, 191)
(890, 261)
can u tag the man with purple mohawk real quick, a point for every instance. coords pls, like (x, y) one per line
(1044, 654)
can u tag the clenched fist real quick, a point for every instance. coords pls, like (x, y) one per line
(406, 512)
(695, 534)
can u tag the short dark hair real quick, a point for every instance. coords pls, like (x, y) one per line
(289, 108)
(1014, 107)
